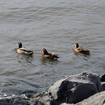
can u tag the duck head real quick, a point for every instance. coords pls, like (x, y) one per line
(44, 52)
(76, 45)
(19, 45)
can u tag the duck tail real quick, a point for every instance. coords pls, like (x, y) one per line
(30, 52)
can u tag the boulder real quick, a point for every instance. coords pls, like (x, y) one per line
(97, 99)
(103, 85)
(74, 88)
(102, 78)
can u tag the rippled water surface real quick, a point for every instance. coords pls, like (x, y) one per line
(55, 25)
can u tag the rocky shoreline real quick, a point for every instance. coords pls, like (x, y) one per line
(81, 89)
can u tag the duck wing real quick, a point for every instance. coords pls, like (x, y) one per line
(84, 50)
(47, 55)
(79, 49)
(54, 56)
(26, 51)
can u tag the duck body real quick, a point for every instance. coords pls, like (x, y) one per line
(48, 55)
(23, 50)
(78, 49)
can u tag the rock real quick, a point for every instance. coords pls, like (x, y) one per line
(103, 85)
(28, 93)
(102, 78)
(75, 88)
(36, 95)
(66, 104)
(70, 90)
(45, 100)
(97, 99)
(19, 101)
(42, 97)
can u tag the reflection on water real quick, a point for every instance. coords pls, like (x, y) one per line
(45, 61)
(25, 58)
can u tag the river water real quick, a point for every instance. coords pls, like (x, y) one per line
(55, 25)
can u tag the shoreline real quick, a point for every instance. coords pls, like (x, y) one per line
(81, 89)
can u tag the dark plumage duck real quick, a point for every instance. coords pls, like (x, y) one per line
(78, 49)
(48, 55)
(23, 50)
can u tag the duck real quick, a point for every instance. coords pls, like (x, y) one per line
(78, 49)
(23, 50)
(48, 55)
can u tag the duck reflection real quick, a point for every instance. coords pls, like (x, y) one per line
(45, 61)
(25, 58)
(84, 55)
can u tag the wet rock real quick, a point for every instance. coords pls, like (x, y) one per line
(75, 88)
(28, 94)
(19, 101)
(97, 99)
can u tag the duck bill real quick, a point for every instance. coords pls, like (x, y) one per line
(41, 50)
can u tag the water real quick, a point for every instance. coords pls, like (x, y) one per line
(55, 25)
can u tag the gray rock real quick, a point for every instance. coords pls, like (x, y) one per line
(103, 85)
(44, 99)
(66, 104)
(75, 88)
(97, 99)
(70, 90)
(19, 101)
